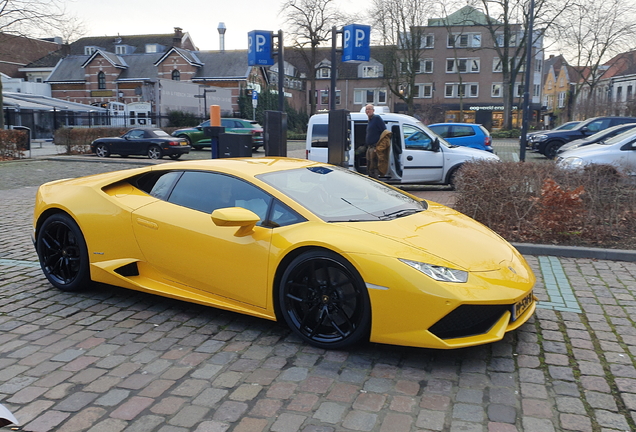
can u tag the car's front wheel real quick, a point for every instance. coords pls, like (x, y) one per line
(154, 152)
(323, 299)
(552, 148)
(101, 150)
(63, 254)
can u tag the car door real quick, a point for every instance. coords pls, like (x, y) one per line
(178, 237)
(420, 163)
(464, 135)
(132, 142)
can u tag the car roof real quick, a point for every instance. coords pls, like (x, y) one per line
(454, 124)
(250, 167)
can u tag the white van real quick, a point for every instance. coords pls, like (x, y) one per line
(417, 155)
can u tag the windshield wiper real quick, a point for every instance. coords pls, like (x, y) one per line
(400, 213)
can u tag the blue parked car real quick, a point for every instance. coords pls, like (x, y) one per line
(464, 134)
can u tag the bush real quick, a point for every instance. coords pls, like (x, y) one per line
(178, 119)
(539, 202)
(12, 144)
(78, 140)
(512, 133)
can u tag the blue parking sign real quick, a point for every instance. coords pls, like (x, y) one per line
(259, 48)
(356, 44)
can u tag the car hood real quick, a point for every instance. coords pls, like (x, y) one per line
(469, 152)
(448, 235)
(587, 152)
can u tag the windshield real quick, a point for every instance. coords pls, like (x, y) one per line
(338, 195)
(620, 137)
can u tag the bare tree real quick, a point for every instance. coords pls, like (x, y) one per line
(309, 26)
(589, 34)
(507, 22)
(399, 25)
(27, 18)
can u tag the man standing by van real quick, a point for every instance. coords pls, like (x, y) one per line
(375, 127)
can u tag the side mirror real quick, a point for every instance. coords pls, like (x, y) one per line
(435, 145)
(236, 217)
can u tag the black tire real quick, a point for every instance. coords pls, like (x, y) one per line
(63, 254)
(187, 138)
(101, 150)
(324, 301)
(174, 156)
(452, 177)
(551, 149)
(154, 152)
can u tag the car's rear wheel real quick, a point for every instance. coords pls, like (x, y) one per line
(324, 300)
(154, 152)
(175, 156)
(63, 254)
(101, 150)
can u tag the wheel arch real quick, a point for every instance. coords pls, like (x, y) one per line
(451, 172)
(284, 263)
(48, 213)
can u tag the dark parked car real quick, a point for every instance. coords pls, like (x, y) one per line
(565, 126)
(464, 134)
(197, 139)
(549, 142)
(598, 137)
(153, 142)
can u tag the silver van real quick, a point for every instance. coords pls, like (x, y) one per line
(416, 155)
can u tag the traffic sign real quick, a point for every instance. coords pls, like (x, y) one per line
(259, 48)
(254, 98)
(356, 44)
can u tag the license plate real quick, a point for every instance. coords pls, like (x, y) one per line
(521, 306)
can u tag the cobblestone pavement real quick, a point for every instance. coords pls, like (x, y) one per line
(109, 360)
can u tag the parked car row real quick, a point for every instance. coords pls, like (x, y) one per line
(619, 151)
(548, 143)
(197, 139)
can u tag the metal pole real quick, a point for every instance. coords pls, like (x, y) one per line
(526, 92)
(281, 73)
(332, 91)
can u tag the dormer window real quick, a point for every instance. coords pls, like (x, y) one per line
(89, 50)
(323, 73)
(152, 48)
(121, 49)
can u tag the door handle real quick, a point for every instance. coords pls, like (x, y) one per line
(409, 158)
(147, 224)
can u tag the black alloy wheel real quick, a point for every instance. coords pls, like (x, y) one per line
(63, 254)
(551, 149)
(324, 300)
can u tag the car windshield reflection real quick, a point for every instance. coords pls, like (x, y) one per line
(338, 195)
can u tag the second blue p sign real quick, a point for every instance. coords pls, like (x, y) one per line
(259, 48)
(356, 44)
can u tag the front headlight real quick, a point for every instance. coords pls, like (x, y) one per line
(539, 138)
(571, 163)
(443, 274)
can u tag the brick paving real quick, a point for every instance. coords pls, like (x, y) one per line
(110, 360)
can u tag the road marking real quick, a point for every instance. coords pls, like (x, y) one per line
(558, 287)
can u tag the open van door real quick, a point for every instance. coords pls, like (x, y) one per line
(422, 157)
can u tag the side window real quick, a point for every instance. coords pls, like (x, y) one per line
(164, 184)
(463, 131)
(206, 192)
(443, 131)
(598, 125)
(416, 139)
(319, 135)
(283, 215)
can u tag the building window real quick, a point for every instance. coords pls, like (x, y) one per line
(428, 41)
(499, 40)
(323, 73)
(619, 94)
(88, 50)
(424, 90)
(536, 91)
(324, 97)
(370, 71)
(496, 65)
(496, 90)
(369, 96)
(456, 90)
(629, 92)
(151, 48)
(537, 65)
(176, 75)
(426, 66)
(101, 80)
(120, 49)
(561, 99)
(464, 65)
(467, 40)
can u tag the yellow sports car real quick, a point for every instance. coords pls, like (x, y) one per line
(336, 255)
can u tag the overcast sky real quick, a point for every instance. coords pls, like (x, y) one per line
(200, 18)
